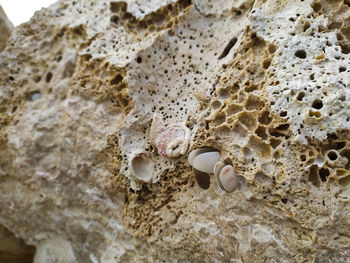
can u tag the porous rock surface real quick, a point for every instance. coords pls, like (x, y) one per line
(264, 82)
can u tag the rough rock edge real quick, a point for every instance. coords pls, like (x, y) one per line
(6, 28)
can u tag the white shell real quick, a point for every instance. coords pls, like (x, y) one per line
(194, 153)
(228, 178)
(142, 166)
(217, 168)
(205, 162)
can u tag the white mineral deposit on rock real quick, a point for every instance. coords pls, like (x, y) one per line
(101, 103)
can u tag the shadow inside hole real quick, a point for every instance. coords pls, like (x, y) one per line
(203, 179)
(13, 249)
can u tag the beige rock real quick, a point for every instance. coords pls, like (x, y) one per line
(264, 82)
(5, 28)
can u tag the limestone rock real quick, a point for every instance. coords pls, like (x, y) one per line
(86, 86)
(5, 28)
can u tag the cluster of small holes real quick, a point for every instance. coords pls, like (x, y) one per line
(109, 86)
(164, 17)
(245, 115)
(241, 113)
(33, 84)
(173, 75)
(331, 159)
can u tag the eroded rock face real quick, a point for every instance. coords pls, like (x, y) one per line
(5, 28)
(266, 83)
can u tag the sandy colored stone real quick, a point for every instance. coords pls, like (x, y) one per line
(264, 82)
(5, 28)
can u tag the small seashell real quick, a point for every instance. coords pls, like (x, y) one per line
(194, 153)
(171, 141)
(205, 162)
(228, 179)
(217, 168)
(142, 166)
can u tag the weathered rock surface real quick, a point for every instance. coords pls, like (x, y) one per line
(6, 28)
(94, 94)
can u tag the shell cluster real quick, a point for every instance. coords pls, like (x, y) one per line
(206, 161)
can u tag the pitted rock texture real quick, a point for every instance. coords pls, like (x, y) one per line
(264, 82)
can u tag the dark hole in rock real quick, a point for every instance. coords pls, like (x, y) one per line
(316, 6)
(117, 79)
(265, 118)
(314, 114)
(284, 114)
(261, 132)
(300, 96)
(48, 77)
(13, 249)
(274, 142)
(284, 200)
(347, 2)
(340, 145)
(115, 19)
(300, 54)
(342, 69)
(313, 175)
(116, 7)
(345, 49)
(332, 155)
(317, 104)
(228, 47)
(276, 133)
(324, 173)
(283, 127)
(266, 63)
(203, 179)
